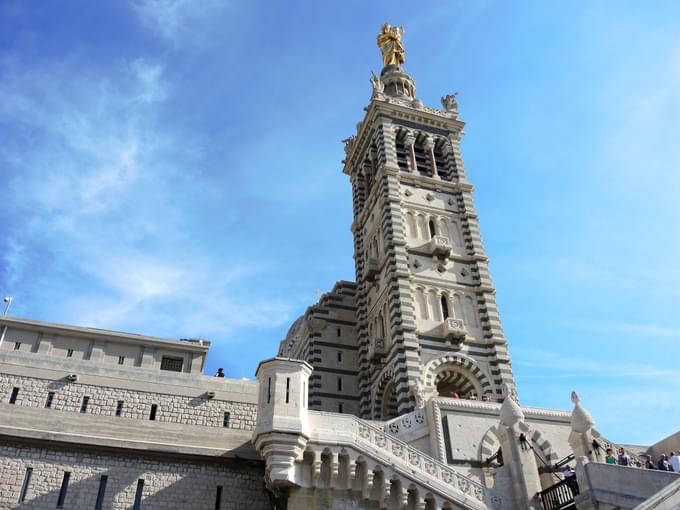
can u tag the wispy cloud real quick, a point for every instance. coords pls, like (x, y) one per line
(177, 20)
(100, 195)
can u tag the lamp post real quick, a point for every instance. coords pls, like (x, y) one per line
(8, 303)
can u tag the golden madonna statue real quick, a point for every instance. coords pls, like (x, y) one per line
(389, 42)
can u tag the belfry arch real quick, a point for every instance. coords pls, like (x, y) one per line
(456, 373)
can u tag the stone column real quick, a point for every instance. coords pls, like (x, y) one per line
(410, 141)
(429, 147)
(518, 456)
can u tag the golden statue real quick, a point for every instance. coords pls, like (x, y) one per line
(389, 42)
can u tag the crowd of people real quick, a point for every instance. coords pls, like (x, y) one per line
(664, 463)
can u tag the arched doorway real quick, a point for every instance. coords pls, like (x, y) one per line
(389, 402)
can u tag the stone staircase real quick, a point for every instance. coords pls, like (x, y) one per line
(345, 460)
(346, 452)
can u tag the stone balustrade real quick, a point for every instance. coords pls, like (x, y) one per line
(345, 452)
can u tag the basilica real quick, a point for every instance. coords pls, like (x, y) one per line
(394, 391)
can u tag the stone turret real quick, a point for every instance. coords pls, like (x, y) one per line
(282, 423)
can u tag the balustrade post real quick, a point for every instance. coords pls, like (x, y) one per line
(334, 470)
(368, 486)
(316, 470)
(351, 474)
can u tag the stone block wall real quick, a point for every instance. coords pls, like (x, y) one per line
(103, 400)
(171, 484)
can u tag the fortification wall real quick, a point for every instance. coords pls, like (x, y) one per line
(168, 483)
(103, 400)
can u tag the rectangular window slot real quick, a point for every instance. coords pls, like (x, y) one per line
(24, 486)
(138, 495)
(227, 417)
(119, 408)
(17, 346)
(340, 407)
(100, 495)
(218, 498)
(339, 356)
(152, 415)
(83, 406)
(339, 383)
(69, 353)
(171, 364)
(269, 390)
(121, 360)
(50, 398)
(339, 332)
(14, 395)
(64, 488)
(287, 389)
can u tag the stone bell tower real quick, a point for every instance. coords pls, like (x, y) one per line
(427, 320)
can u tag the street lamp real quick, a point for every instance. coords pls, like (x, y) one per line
(8, 303)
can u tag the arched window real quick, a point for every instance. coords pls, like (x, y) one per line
(430, 224)
(443, 228)
(422, 224)
(470, 316)
(422, 304)
(411, 222)
(434, 307)
(457, 307)
(445, 307)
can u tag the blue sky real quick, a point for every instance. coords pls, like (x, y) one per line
(173, 168)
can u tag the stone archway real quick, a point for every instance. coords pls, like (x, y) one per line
(388, 409)
(456, 372)
(385, 397)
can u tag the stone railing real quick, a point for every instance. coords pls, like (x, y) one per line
(330, 429)
(419, 106)
(406, 424)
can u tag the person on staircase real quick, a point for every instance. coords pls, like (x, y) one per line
(610, 459)
(623, 459)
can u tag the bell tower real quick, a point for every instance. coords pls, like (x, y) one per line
(427, 320)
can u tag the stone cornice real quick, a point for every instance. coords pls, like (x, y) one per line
(102, 334)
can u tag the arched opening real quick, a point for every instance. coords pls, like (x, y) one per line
(389, 402)
(325, 474)
(445, 307)
(454, 383)
(430, 503)
(344, 474)
(430, 225)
